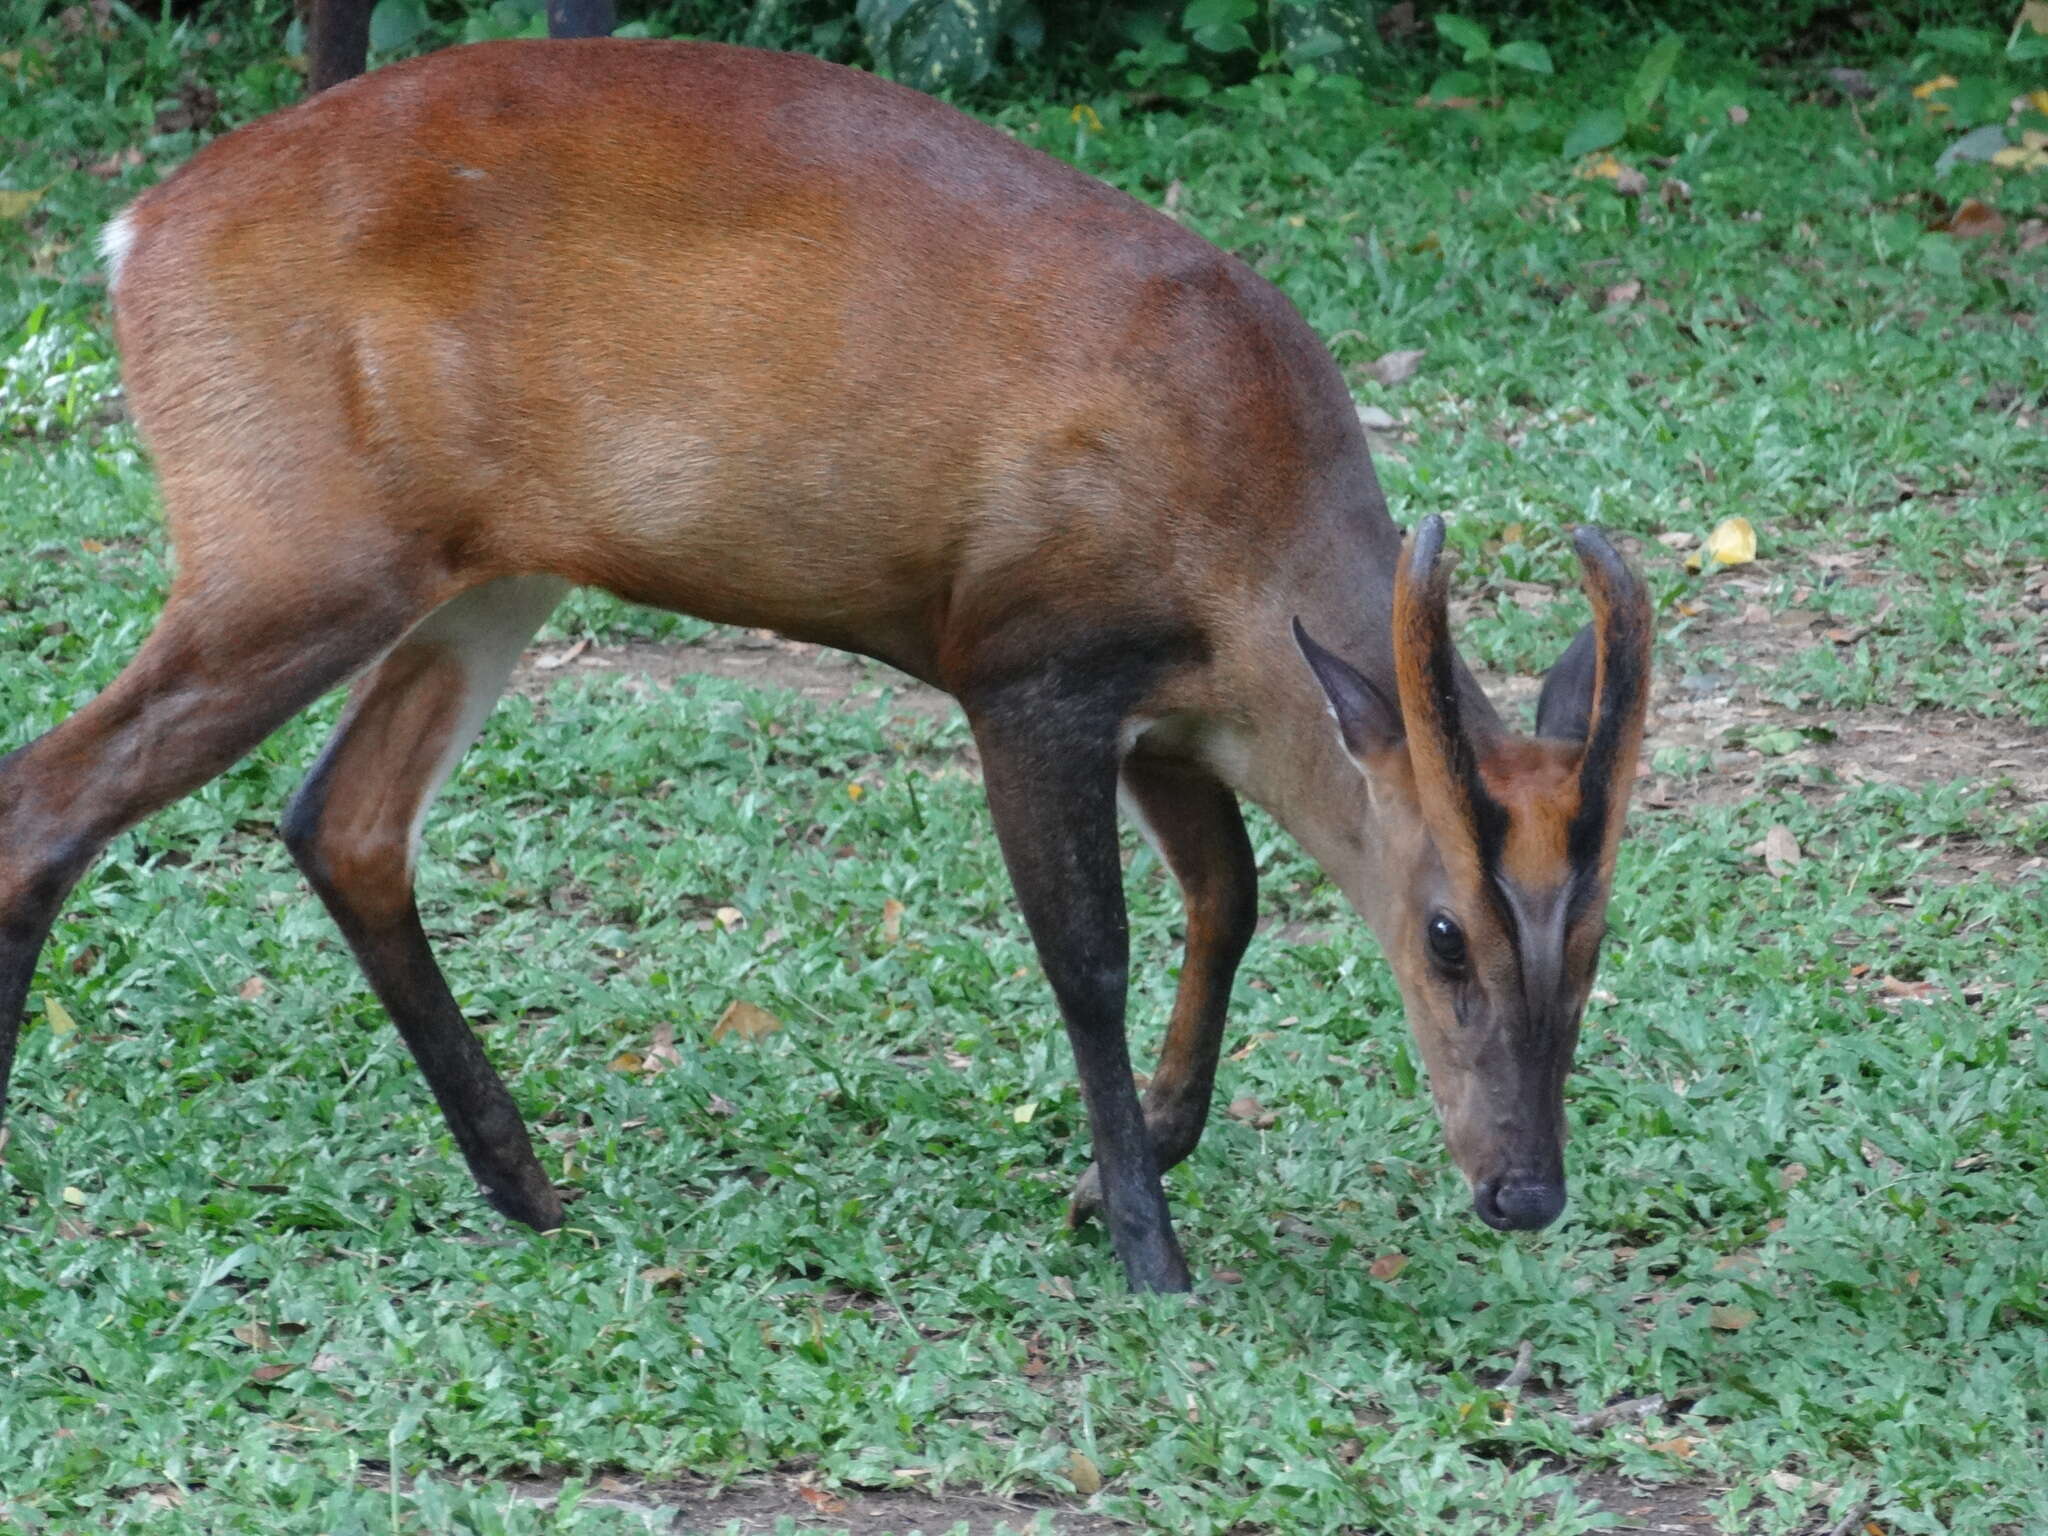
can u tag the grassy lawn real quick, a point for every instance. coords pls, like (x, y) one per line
(249, 1288)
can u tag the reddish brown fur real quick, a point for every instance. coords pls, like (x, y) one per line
(771, 342)
(1537, 784)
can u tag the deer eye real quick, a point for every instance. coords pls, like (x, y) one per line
(1446, 945)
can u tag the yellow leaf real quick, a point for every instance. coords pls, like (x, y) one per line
(1733, 542)
(2015, 158)
(628, 1061)
(15, 205)
(1927, 88)
(854, 791)
(1606, 168)
(1083, 1473)
(73, 1195)
(1084, 115)
(1023, 1112)
(1678, 1445)
(1731, 1319)
(746, 1021)
(2038, 100)
(61, 1022)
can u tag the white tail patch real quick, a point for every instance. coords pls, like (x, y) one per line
(117, 238)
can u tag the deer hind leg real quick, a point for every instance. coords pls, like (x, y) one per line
(1194, 823)
(232, 657)
(354, 828)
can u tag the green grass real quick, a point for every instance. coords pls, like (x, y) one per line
(854, 1234)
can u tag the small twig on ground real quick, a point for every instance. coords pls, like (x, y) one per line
(1630, 1409)
(1853, 1519)
(1525, 1357)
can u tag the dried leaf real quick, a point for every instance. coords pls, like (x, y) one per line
(324, 1363)
(1083, 1473)
(72, 1195)
(663, 1054)
(657, 1275)
(1631, 182)
(1781, 852)
(1373, 419)
(1022, 1114)
(1387, 1266)
(1792, 1482)
(1393, 368)
(1733, 542)
(1910, 991)
(554, 659)
(121, 160)
(729, 918)
(1624, 293)
(1791, 1176)
(1730, 1319)
(892, 920)
(256, 1335)
(275, 1371)
(746, 1021)
(823, 1502)
(1738, 115)
(15, 205)
(59, 1017)
(1680, 1446)
(2034, 15)
(252, 989)
(1975, 220)
(628, 1061)
(1252, 1113)
(1675, 191)
(1926, 89)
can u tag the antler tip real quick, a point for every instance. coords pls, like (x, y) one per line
(1425, 548)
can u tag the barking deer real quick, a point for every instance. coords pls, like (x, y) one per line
(774, 343)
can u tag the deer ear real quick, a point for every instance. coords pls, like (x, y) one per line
(1367, 720)
(1564, 710)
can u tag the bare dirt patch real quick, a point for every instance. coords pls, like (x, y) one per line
(766, 660)
(763, 1505)
(1730, 739)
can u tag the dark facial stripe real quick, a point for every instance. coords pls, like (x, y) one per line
(1428, 623)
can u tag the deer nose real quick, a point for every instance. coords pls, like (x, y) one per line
(1518, 1205)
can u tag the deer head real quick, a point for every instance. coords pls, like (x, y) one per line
(1502, 847)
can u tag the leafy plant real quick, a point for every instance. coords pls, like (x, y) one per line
(1606, 126)
(935, 44)
(1479, 49)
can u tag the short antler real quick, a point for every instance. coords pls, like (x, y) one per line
(1621, 692)
(1465, 821)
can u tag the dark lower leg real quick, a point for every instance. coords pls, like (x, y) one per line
(1198, 828)
(351, 828)
(1055, 814)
